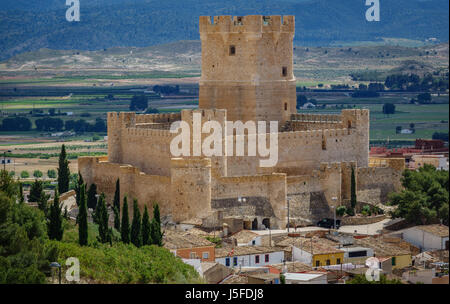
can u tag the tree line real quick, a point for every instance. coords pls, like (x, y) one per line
(50, 124)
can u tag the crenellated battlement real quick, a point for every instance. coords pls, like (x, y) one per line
(317, 118)
(249, 24)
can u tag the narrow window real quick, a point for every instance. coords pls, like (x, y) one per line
(256, 259)
(232, 50)
(266, 258)
(328, 262)
(284, 71)
(193, 255)
(234, 261)
(227, 262)
(285, 106)
(205, 255)
(324, 143)
(393, 261)
(317, 263)
(338, 261)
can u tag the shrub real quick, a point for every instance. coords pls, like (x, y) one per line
(366, 210)
(51, 173)
(37, 173)
(24, 174)
(340, 211)
(12, 173)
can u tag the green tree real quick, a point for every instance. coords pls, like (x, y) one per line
(425, 197)
(116, 219)
(37, 173)
(388, 108)
(83, 218)
(51, 173)
(79, 184)
(102, 219)
(36, 191)
(24, 174)
(116, 202)
(55, 223)
(340, 211)
(125, 225)
(136, 237)
(156, 234)
(92, 196)
(353, 199)
(63, 171)
(21, 196)
(361, 279)
(146, 228)
(7, 184)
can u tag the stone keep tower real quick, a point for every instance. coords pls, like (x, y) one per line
(247, 67)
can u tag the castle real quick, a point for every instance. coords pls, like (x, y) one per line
(247, 75)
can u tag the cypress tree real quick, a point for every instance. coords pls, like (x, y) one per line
(21, 196)
(353, 190)
(102, 219)
(146, 228)
(156, 234)
(63, 171)
(116, 202)
(136, 225)
(55, 227)
(92, 196)
(36, 191)
(82, 218)
(116, 219)
(78, 186)
(125, 225)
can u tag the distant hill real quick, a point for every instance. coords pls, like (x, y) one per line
(27, 25)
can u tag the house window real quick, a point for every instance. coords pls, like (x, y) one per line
(356, 254)
(227, 262)
(393, 261)
(338, 261)
(266, 258)
(234, 261)
(317, 263)
(256, 259)
(232, 50)
(253, 242)
(324, 143)
(285, 106)
(205, 255)
(328, 262)
(193, 255)
(284, 71)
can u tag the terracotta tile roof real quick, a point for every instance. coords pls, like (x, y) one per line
(293, 267)
(437, 229)
(235, 279)
(244, 236)
(382, 248)
(312, 245)
(244, 250)
(180, 239)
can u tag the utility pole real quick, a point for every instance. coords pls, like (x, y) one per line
(289, 221)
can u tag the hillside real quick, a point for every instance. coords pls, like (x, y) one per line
(27, 25)
(184, 58)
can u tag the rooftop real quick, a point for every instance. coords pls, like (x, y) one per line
(244, 250)
(181, 239)
(382, 248)
(293, 267)
(312, 245)
(244, 236)
(303, 276)
(235, 279)
(437, 229)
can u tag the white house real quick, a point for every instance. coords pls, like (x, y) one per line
(427, 237)
(356, 254)
(306, 278)
(249, 256)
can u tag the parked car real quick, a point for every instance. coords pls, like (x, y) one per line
(328, 223)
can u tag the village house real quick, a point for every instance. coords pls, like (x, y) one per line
(249, 256)
(306, 278)
(313, 251)
(427, 237)
(189, 246)
(247, 238)
(399, 257)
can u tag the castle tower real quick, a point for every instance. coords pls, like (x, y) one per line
(247, 67)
